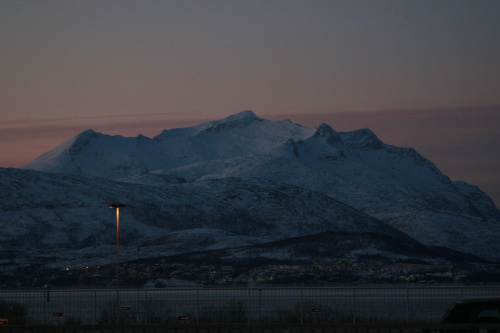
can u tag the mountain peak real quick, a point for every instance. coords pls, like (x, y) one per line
(81, 140)
(246, 115)
(241, 119)
(89, 132)
(326, 132)
(363, 138)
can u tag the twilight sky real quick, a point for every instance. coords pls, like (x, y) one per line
(419, 73)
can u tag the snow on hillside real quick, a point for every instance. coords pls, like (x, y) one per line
(43, 213)
(394, 184)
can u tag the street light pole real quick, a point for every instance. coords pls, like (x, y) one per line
(138, 281)
(117, 206)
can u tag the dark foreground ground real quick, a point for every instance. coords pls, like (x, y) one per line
(256, 328)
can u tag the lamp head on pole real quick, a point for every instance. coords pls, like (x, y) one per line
(116, 205)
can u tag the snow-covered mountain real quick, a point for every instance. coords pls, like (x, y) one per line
(95, 154)
(43, 213)
(246, 180)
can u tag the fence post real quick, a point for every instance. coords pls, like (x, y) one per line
(407, 305)
(248, 304)
(44, 310)
(301, 305)
(95, 307)
(138, 305)
(197, 306)
(354, 305)
(146, 314)
(260, 305)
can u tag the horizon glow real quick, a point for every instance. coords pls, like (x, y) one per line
(124, 67)
(466, 150)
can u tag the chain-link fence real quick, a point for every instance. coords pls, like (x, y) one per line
(234, 305)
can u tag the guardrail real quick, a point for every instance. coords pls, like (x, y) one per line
(352, 305)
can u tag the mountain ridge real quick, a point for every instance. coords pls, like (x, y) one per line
(395, 185)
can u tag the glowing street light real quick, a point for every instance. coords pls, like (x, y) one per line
(117, 206)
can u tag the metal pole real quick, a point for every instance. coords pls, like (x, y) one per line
(353, 305)
(117, 206)
(301, 304)
(146, 314)
(407, 305)
(197, 306)
(117, 257)
(138, 286)
(45, 304)
(248, 304)
(95, 307)
(45, 310)
(260, 305)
